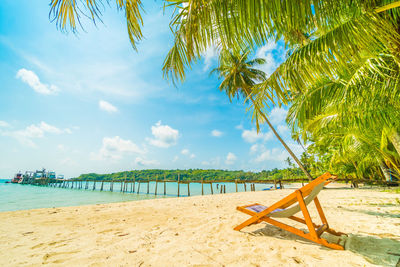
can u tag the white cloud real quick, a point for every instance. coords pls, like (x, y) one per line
(186, 152)
(251, 136)
(143, 162)
(175, 159)
(106, 106)
(230, 158)
(256, 148)
(115, 148)
(277, 154)
(205, 163)
(30, 78)
(274, 154)
(4, 124)
(210, 55)
(33, 131)
(216, 133)
(278, 115)
(283, 129)
(239, 127)
(164, 135)
(273, 54)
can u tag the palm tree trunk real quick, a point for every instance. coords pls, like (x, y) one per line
(385, 170)
(286, 147)
(395, 139)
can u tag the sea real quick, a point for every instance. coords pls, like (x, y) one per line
(23, 197)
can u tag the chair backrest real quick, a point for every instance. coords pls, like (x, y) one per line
(284, 213)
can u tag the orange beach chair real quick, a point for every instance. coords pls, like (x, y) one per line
(287, 207)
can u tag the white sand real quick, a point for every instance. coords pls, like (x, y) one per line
(197, 231)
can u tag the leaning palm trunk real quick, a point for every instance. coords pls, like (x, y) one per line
(284, 144)
(385, 170)
(394, 137)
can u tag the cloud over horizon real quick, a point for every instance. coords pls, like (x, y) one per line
(164, 135)
(116, 148)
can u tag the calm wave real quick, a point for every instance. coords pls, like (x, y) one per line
(22, 197)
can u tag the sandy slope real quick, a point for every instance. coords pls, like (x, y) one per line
(197, 231)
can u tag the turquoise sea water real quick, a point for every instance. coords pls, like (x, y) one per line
(22, 197)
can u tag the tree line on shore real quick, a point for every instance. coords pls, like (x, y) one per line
(198, 174)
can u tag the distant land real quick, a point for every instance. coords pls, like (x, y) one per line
(197, 174)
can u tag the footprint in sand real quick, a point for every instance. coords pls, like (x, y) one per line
(38, 246)
(51, 255)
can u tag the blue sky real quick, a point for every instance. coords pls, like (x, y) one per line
(89, 103)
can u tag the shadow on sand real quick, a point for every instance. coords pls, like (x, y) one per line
(379, 251)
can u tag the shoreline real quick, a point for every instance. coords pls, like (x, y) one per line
(198, 231)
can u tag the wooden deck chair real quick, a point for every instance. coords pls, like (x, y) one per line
(287, 207)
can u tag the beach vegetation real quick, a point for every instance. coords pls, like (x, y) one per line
(197, 175)
(340, 77)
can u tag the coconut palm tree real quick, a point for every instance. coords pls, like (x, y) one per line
(325, 40)
(355, 120)
(239, 76)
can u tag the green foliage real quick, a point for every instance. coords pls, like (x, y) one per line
(197, 175)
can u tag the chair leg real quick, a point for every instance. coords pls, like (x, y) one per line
(320, 211)
(324, 220)
(306, 215)
(246, 223)
(300, 233)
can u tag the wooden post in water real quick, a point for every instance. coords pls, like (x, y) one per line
(165, 185)
(138, 189)
(188, 189)
(236, 185)
(202, 189)
(148, 185)
(134, 180)
(178, 184)
(121, 186)
(224, 189)
(101, 187)
(72, 185)
(112, 185)
(245, 187)
(212, 192)
(94, 185)
(155, 191)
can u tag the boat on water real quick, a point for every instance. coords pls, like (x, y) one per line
(34, 177)
(17, 178)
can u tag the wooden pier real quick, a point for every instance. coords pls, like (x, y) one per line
(133, 185)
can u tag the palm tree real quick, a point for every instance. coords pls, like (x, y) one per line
(239, 77)
(352, 119)
(345, 49)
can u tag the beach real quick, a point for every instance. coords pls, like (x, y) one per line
(198, 231)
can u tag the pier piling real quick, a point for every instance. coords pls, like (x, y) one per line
(155, 191)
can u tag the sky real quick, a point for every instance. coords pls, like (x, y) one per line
(87, 102)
